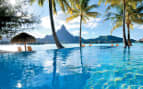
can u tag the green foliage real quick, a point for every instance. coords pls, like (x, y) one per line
(63, 4)
(133, 13)
(10, 22)
(82, 8)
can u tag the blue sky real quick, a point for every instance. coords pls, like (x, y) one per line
(92, 29)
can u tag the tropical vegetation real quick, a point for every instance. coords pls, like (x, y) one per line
(126, 12)
(13, 19)
(52, 9)
(123, 14)
(83, 10)
(132, 16)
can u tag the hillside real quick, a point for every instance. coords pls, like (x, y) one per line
(63, 35)
(106, 39)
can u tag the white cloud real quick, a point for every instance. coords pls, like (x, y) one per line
(60, 19)
(45, 22)
(138, 26)
(36, 34)
(93, 23)
(76, 33)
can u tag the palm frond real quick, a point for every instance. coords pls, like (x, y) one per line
(92, 14)
(131, 26)
(32, 1)
(54, 6)
(72, 17)
(91, 7)
(117, 25)
(41, 2)
(100, 1)
(61, 3)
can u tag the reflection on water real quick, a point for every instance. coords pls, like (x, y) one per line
(73, 68)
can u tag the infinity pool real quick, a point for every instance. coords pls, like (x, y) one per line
(102, 67)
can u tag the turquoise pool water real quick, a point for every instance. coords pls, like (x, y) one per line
(101, 67)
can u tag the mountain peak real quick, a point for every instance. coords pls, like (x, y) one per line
(63, 27)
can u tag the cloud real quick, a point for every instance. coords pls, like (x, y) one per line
(37, 34)
(44, 28)
(93, 23)
(138, 26)
(76, 33)
(45, 22)
(60, 19)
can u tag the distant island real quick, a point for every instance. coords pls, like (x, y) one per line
(106, 39)
(66, 37)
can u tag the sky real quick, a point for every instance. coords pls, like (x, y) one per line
(93, 28)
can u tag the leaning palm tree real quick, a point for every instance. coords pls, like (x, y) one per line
(82, 9)
(52, 9)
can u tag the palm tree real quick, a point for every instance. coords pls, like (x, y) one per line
(82, 9)
(114, 3)
(124, 22)
(52, 9)
(133, 15)
(126, 4)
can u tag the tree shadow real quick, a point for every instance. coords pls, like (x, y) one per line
(126, 54)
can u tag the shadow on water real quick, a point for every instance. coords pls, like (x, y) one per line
(126, 54)
(21, 68)
(54, 69)
(65, 53)
(82, 64)
(68, 81)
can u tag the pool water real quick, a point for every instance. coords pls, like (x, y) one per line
(101, 67)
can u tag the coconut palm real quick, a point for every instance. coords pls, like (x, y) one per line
(82, 9)
(116, 3)
(133, 15)
(125, 4)
(52, 9)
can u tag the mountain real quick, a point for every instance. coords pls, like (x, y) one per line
(63, 35)
(106, 39)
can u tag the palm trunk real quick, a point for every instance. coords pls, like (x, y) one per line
(25, 46)
(124, 22)
(80, 31)
(58, 44)
(129, 40)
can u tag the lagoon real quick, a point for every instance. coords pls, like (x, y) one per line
(96, 67)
